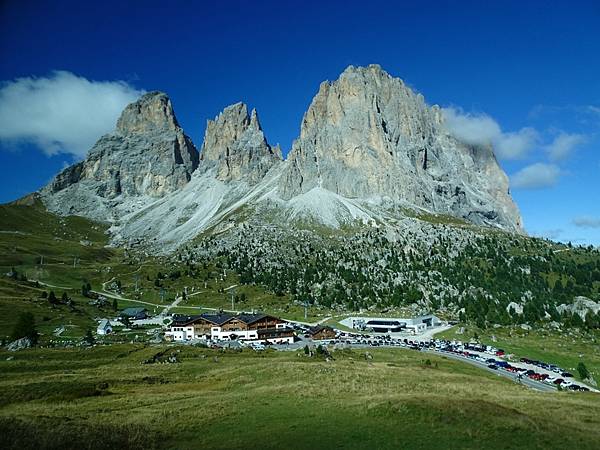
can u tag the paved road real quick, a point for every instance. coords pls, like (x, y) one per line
(500, 372)
(314, 324)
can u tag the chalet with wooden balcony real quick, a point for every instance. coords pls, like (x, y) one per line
(221, 326)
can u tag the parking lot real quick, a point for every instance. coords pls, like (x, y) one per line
(534, 374)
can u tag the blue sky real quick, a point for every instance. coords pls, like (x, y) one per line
(524, 75)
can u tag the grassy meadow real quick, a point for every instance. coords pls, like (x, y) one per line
(106, 398)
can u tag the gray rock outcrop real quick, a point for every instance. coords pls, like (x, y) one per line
(147, 155)
(581, 305)
(19, 344)
(367, 135)
(235, 145)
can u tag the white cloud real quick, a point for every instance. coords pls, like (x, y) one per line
(62, 113)
(516, 144)
(473, 129)
(587, 222)
(536, 176)
(563, 145)
(481, 129)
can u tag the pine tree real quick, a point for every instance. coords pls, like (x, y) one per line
(584, 373)
(25, 327)
(89, 337)
(52, 298)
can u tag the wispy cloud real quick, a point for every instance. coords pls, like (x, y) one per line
(588, 115)
(536, 176)
(550, 234)
(481, 129)
(62, 113)
(563, 145)
(587, 222)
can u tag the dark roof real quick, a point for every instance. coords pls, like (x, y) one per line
(251, 318)
(180, 319)
(218, 318)
(317, 328)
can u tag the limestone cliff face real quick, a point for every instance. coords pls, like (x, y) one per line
(368, 147)
(147, 155)
(235, 145)
(367, 135)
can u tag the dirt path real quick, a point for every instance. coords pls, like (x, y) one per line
(51, 285)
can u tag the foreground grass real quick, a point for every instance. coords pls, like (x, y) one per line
(104, 398)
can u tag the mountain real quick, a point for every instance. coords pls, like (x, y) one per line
(368, 136)
(370, 151)
(146, 157)
(235, 145)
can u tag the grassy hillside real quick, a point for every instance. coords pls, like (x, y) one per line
(103, 397)
(60, 254)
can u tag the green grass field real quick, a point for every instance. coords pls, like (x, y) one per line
(105, 398)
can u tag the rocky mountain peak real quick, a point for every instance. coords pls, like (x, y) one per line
(369, 148)
(148, 155)
(235, 145)
(152, 112)
(369, 136)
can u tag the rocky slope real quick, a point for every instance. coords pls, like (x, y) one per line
(370, 150)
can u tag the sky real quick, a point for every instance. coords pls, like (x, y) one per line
(523, 76)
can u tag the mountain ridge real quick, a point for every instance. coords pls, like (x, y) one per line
(368, 147)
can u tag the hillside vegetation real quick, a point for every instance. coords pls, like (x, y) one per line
(466, 273)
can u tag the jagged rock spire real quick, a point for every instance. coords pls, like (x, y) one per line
(235, 145)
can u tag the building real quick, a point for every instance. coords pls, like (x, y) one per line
(321, 333)
(412, 325)
(104, 327)
(220, 326)
(135, 313)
